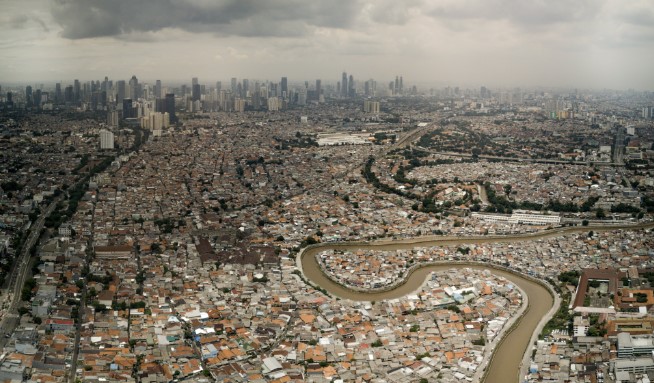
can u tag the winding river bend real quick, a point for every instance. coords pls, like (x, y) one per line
(507, 357)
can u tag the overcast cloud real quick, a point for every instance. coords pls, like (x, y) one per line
(582, 43)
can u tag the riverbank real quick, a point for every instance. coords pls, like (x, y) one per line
(510, 359)
(509, 349)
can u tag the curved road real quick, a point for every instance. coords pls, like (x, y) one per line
(507, 361)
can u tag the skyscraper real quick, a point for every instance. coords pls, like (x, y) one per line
(69, 95)
(370, 88)
(233, 84)
(28, 96)
(77, 91)
(318, 90)
(120, 91)
(157, 89)
(284, 87)
(350, 87)
(195, 89)
(128, 109)
(169, 107)
(246, 88)
(37, 98)
(344, 87)
(134, 88)
(58, 94)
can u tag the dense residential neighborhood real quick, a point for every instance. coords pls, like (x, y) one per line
(151, 250)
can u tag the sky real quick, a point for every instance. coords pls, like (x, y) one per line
(497, 43)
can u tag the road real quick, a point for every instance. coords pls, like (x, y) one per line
(21, 271)
(412, 136)
(71, 372)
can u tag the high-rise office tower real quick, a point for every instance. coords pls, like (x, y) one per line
(369, 88)
(134, 88)
(195, 90)
(401, 85)
(284, 87)
(350, 87)
(77, 91)
(128, 109)
(69, 94)
(344, 87)
(246, 88)
(219, 86)
(28, 96)
(120, 91)
(157, 89)
(233, 84)
(318, 90)
(194, 81)
(86, 91)
(37, 98)
(58, 94)
(302, 97)
(169, 107)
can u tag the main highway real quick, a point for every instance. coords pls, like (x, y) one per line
(12, 296)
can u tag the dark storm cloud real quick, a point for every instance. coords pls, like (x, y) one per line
(96, 18)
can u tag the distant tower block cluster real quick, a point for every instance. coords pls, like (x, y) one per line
(648, 112)
(155, 122)
(397, 87)
(371, 106)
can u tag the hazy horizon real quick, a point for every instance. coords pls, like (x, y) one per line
(604, 44)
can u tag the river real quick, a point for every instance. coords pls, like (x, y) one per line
(508, 356)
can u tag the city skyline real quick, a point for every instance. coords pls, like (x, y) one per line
(598, 44)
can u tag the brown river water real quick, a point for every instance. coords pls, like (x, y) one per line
(508, 355)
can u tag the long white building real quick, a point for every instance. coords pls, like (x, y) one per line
(527, 218)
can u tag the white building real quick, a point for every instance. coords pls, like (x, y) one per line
(581, 326)
(273, 104)
(527, 218)
(106, 139)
